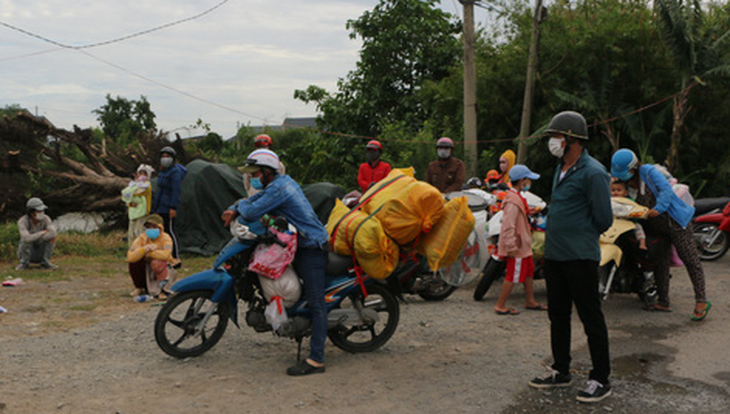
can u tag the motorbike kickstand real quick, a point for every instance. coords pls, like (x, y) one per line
(299, 348)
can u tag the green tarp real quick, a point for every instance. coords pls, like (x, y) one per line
(208, 189)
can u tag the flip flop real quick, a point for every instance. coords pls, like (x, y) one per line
(538, 307)
(698, 317)
(508, 311)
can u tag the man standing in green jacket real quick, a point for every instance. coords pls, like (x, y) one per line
(580, 210)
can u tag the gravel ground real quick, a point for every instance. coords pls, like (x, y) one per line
(456, 356)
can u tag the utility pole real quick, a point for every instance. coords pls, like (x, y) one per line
(537, 18)
(470, 90)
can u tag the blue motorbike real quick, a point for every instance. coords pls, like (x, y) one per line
(362, 317)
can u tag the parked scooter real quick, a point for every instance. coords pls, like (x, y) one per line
(495, 267)
(711, 227)
(195, 318)
(616, 273)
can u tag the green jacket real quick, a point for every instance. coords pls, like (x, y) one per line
(579, 211)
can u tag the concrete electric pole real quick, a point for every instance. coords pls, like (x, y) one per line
(537, 18)
(470, 91)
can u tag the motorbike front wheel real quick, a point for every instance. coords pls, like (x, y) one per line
(369, 335)
(181, 327)
(492, 271)
(708, 249)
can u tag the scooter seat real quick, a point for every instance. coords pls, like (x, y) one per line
(705, 205)
(337, 264)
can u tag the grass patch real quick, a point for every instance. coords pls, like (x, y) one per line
(38, 275)
(67, 244)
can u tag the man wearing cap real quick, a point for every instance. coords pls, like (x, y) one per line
(281, 196)
(579, 212)
(447, 173)
(148, 258)
(374, 170)
(37, 236)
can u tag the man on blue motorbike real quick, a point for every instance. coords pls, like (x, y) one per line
(280, 195)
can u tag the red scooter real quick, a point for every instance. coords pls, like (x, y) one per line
(712, 227)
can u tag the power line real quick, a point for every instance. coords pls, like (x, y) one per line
(41, 52)
(171, 88)
(107, 42)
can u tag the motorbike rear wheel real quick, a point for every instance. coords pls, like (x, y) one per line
(436, 290)
(178, 329)
(368, 336)
(492, 271)
(703, 233)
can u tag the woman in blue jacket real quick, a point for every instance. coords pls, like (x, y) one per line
(166, 200)
(669, 218)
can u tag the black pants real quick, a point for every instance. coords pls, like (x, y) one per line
(646, 260)
(170, 229)
(576, 282)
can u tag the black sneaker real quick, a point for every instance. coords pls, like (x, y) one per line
(594, 392)
(551, 379)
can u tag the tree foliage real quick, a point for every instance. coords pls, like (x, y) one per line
(122, 119)
(405, 44)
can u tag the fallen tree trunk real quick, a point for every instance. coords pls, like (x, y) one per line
(69, 170)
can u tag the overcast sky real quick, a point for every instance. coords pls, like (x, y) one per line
(240, 63)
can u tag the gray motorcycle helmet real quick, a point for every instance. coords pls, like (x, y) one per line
(35, 203)
(169, 150)
(569, 123)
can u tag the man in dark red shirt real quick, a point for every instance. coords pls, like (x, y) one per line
(374, 170)
(447, 173)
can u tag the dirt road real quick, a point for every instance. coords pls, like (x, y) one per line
(457, 356)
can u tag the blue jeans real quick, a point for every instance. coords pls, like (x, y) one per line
(310, 265)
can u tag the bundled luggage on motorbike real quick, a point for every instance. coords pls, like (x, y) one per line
(444, 243)
(354, 232)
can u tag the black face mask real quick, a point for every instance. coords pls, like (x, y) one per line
(373, 156)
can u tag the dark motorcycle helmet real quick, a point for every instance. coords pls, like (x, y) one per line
(569, 123)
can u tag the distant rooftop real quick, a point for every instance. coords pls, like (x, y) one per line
(289, 123)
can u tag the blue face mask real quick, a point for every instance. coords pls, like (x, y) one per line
(152, 233)
(256, 183)
(526, 187)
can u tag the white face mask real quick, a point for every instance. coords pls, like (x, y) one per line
(443, 153)
(166, 162)
(40, 216)
(555, 145)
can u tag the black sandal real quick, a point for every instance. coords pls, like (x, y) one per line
(303, 368)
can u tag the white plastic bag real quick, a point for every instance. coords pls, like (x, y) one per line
(275, 313)
(287, 287)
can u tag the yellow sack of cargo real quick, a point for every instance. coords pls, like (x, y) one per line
(416, 210)
(390, 187)
(376, 253)
(339, 241)
(356, 231)
(444, 243)
(538, 245)
(409, 171)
